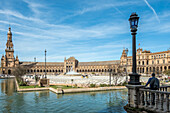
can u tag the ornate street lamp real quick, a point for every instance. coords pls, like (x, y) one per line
(45, 64)
(134, 77)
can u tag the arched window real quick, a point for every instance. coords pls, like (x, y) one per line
(161, 68)
(152, 62)
(147, 69)
(147, 62)
(157, 69)
(165, 67)
(142, 62)
(153, 69)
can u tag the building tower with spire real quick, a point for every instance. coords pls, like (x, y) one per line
(8, 62)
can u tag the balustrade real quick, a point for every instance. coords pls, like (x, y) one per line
(155, 100)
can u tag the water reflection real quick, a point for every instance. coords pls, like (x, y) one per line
(8, 86)
(46, 101)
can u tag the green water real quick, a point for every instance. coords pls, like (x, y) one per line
(46, 101)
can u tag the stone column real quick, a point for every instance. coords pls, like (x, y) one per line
(133, 95)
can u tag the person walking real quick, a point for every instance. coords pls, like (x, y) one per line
(154, 85)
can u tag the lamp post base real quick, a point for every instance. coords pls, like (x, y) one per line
(134, 79)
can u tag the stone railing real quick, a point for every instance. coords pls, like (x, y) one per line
(164, 88)
(155, 100)
(152, 100)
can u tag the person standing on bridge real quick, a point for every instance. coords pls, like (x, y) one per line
(154, 85)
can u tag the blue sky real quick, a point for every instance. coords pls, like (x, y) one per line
(89, 30)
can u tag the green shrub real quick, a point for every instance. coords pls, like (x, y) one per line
(22, 83)
(103, 85)
(92, 85)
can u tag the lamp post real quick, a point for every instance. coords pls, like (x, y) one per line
(126, 64)
(35, 77)
(45, 64)
(134, 77)
(35, 65)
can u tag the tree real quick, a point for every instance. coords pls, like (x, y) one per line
(18, 72)
(167, 72)
(117, 76)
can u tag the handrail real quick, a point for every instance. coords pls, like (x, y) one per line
(154, 91)
(161, 88)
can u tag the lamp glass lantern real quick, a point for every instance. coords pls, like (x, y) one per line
(133, 21)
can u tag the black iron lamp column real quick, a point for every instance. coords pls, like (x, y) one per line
(45, 65)
(134, 77)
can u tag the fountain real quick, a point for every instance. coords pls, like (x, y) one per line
(73, 73)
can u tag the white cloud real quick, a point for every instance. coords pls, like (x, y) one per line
(98, 7)
(152, 10)
(35, 7)
(18, 15)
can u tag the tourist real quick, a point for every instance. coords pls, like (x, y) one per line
(154, 82)
(154, 85)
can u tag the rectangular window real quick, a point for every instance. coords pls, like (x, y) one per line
(152, 62)
(164, 61)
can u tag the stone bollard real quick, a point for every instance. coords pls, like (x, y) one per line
(133, 95)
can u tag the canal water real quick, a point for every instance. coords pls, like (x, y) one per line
(47, 101)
